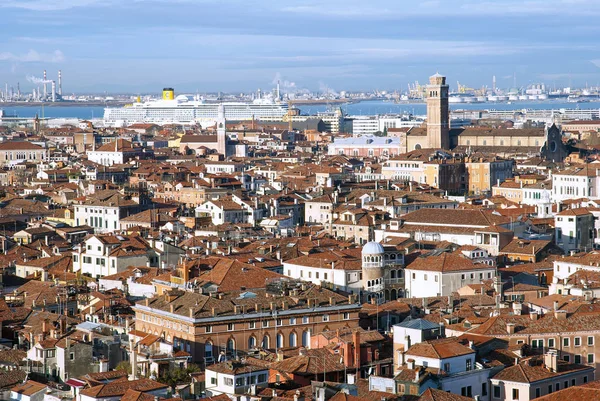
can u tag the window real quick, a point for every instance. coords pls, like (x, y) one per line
(551, 343)
(239, 381)
(515, 393)
(346, 316)
(305, 319)
(590, 340)
(72, 356)
(496, 391)
(577, 341)
(483, 389)
(557, 387)
(538, 392)
(230, 326)
(447, 367)
(279, 322)
(325, 318)
(590, 358)
(292, 320)
(577, 358)
(469, 364)
(208, 329)
(585, 379)
(566, 358)
(262, 378)
(565, 342)
(265, 323)
(213, 380)
(228, 381)
(252, 325)
(537, 343)
(549, 388)
(466, 391)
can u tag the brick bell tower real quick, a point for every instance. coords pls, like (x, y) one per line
(438, 128)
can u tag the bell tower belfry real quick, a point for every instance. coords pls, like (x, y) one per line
(438, 127)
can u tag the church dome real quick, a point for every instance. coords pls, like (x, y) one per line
(372, 248)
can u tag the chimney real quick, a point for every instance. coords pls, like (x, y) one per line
(171, 308)
(411, 363)
(555, 305)
(551, 361)
(407, 341)
(284, 305)
(192, 312)
(45, 328)
(517, 308)
(533, 315)
(417, 375)
(331, 301)
(510, 328)
(356, 341)
(560, 315)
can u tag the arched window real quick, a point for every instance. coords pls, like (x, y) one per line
(393, 274)
(293, 339)
(230, 345)
(265, 342)
(279, 340)
(252, 342)
(208, 349)
(305, 338)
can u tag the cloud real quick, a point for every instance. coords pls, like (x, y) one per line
(33, 56)
(384, 9)
(47, 5)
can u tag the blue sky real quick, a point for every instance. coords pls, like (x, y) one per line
(235, 45)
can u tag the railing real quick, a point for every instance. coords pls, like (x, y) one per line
(375, 288)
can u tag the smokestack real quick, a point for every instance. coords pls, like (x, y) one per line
(45, 86)
(53, 91)
(59, 82)
(278, 94)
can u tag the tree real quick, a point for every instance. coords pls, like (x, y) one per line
(124, 365)
(173, 377)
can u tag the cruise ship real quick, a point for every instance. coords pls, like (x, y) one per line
(187, 110)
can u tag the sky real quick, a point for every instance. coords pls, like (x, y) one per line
(140, 46)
